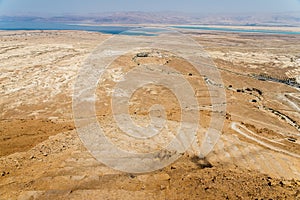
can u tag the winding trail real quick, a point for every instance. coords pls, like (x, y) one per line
(250, 135)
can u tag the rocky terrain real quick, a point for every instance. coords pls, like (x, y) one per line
(256, 157)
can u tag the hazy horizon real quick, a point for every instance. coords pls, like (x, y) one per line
(57, 7)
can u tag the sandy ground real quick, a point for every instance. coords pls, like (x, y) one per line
(42, 157)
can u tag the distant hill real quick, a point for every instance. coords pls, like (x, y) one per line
(251, 19)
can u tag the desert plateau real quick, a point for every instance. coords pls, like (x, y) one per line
(256, 157)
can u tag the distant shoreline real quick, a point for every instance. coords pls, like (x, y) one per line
(119, 28)
(229, 28)
(261, 27)
(273, 28)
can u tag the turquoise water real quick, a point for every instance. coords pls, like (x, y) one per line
(237, 30)
(20, 25)
(127, 30)
(24, 25)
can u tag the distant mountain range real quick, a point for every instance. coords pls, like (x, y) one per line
(251, 19)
